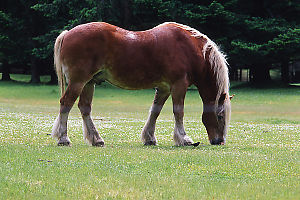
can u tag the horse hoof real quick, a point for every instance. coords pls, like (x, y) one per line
(64, 143)
(150, 143)
(186, 143)
(195, 144)
(98, 144)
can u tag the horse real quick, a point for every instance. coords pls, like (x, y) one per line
(169, 57)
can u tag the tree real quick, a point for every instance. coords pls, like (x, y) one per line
(62, 15)
(258, 34)
(250, 31)
(10, 32)
(5, 43)
(269, 35)
(20, 25)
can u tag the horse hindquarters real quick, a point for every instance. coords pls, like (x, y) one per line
(78, 85)
(66, 103)
(69, 96)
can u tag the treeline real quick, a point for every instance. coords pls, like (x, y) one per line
(257, 34)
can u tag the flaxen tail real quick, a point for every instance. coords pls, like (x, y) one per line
(57, 62)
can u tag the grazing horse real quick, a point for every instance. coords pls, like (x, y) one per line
(169, 57)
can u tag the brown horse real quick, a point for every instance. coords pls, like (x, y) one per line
(170, 57)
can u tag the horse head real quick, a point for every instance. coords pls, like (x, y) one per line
(216, 117)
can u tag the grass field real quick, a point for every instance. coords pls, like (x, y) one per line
(261, 159)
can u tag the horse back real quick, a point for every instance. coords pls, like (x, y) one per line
(128, 59)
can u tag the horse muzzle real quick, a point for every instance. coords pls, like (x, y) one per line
(217, 141)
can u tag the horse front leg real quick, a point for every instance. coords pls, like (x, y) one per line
(178, 95)
(59, 130)
(161, 95)
(90, 133)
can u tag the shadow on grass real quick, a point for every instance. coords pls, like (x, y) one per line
(166, 147)
(24, 83)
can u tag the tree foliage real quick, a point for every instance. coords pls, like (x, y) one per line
(257, 34)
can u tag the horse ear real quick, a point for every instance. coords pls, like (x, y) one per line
(230, 97)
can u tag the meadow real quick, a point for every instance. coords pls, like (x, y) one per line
(261, 158)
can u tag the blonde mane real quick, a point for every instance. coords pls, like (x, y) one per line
(216, 58)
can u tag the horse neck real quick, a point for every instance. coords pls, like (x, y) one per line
(214, 84)
(217, 70)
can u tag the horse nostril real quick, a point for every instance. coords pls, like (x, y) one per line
(217, 141)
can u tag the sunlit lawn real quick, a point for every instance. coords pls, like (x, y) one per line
(261, 159)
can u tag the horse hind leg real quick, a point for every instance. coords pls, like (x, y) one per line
(161, 95)
(59, 130)
(178, 92)
(90, 133)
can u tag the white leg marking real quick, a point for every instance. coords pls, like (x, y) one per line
(180, 137)
(59, 129)
(55, 128)
(90, 134)
(148, 136)
(85, 133)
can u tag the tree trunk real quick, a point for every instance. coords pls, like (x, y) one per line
(260, 74)
(232, 73)
(126, 13)
(285, 71)
(53, 79)
(35, 76)
(5, 71)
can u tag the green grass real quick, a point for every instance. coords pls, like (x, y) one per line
(259, 161)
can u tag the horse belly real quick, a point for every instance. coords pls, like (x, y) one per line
(131, 79)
